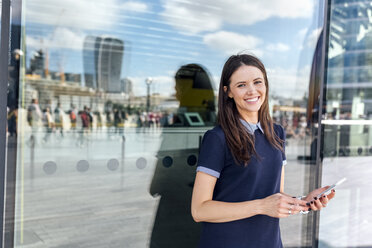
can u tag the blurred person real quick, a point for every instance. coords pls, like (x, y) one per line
(48, 124)
(85, 125)
(58, 119)
(73, 117)
(117, 120)
(34, 119)
(239, 187)
(12, 121)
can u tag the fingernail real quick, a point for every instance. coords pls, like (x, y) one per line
(307, 204)
(315, 198)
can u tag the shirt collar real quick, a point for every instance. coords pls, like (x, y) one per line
(251, 127)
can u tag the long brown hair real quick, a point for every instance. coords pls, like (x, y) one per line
(241, 142)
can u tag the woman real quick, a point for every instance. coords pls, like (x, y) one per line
(238, 190)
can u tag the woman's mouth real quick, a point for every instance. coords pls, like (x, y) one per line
(252, 100)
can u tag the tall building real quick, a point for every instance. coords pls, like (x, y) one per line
(102, 59)
(127, 86)
(349, 68)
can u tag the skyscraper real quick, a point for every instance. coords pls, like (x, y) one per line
(102, 58)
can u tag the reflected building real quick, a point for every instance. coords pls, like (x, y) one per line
(349, 81)
(127, 86)
(102, 59)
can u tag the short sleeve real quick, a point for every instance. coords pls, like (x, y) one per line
(212, 154)
(282, 137)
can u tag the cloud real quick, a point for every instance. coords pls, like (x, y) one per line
(289, 82)
(134, 6)
(313, 37)
(185, 17)
(210, 15)
(163, 84)
(309, 37)
(278, 47)
(60, 38)
(82, 14)
(232, 43)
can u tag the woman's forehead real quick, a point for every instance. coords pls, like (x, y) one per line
(246, 73)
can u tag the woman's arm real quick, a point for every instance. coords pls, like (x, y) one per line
(203, 208)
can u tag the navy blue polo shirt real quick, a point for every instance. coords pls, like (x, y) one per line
(237, 183)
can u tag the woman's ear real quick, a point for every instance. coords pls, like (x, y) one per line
(228, 93)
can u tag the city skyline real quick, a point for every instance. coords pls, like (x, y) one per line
(158, 41)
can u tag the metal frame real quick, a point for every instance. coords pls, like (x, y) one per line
(4, 58)
(320, 133)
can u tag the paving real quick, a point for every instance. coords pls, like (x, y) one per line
(100, 190)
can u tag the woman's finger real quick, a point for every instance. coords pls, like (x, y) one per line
(332, 194)
(313, 206)
(317, 203)
(324, 200)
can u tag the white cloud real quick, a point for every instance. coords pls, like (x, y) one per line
(185, 17)
(82, 14)
(191, 17)
(60, 38)
(163, 84)
(308, 37)
(134, 6)
(232, 43)
(313, 37)
(278, 47)
(289, 82)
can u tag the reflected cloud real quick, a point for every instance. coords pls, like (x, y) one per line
(60, 38)
(135, 6)
(278, 47)
(161, 84)
(232, 43)
(185, 15)
(88, 14)
(290, 83)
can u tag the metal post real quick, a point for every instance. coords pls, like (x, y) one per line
(148, 83)
(320, 129)
(122, 163)
(4, 58)
(32, 160)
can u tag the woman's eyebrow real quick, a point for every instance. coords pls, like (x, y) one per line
(240, 82)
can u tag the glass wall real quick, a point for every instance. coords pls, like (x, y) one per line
(113, 100)
(347, 126)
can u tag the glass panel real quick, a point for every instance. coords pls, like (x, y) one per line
(347, 126)
(115, 97)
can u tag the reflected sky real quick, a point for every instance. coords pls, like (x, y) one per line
(160, 36)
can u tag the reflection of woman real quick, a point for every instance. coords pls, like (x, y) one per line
(173, 179)
(238, 191)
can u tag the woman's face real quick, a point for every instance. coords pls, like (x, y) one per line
(248, 89)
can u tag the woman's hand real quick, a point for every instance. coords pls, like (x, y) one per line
(317, 204)
(281, 206)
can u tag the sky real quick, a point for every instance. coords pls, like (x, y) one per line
(161, 36)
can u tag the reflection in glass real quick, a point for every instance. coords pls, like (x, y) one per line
(93, 137)
(347, 126)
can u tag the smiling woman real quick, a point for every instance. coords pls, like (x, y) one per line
(239, 186)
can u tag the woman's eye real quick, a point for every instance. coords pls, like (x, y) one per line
(241, 85)
(258, 82)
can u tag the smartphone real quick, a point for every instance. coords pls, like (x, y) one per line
(332, 187)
